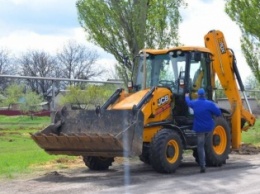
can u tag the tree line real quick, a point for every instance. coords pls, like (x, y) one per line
(73, 61)
(123, 28)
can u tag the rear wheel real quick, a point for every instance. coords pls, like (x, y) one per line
(97, 163)
(166, 151)
(217, 147)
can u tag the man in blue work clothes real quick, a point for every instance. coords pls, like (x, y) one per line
(203, 122)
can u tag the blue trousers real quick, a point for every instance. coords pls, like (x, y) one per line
(201, 139)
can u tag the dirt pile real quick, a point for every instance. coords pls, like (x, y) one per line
(246, 149)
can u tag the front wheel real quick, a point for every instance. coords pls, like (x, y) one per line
(217, 147)
(97, 163)
(166, 151)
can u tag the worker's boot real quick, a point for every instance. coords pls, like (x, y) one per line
(202, 170)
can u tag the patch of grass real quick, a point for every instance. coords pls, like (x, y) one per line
(23, 122)
(252, 136)
(19, 153)
(23, 119)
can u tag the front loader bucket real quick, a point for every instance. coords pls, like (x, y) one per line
(86, 132)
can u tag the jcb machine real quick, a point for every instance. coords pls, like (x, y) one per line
(152, 120)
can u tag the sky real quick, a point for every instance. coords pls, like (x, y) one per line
(48, 24)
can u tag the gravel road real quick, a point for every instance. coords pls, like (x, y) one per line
(240, 175)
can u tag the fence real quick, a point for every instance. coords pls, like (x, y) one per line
(254, 93)
(18, 112)
(53, 80)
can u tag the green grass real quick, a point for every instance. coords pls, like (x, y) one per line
(23, 122)
(23, 119)
(252, 136)
(18, 151)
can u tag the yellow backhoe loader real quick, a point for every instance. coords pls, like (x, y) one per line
(152, 120)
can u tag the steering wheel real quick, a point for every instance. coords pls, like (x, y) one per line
(166, 83)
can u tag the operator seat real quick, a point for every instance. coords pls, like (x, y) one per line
(197, 82)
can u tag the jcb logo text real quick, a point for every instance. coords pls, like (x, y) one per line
(163, 100)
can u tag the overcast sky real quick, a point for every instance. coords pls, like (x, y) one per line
(48, 24)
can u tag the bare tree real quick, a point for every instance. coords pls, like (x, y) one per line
(78, 61)
(38, 63)
(6, 67)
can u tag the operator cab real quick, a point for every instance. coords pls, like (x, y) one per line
(181, 69)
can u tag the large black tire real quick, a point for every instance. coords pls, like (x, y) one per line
(217, 147)
(97, 163)
(166, 151)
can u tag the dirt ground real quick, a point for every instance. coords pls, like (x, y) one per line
(247, 149)
(65, 176)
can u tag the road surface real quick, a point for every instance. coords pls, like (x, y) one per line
(241, 174)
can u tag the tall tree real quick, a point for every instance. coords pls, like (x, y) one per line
(78, 62)
(38, 64)
(6, 67)
(246, 13)
(122, 28)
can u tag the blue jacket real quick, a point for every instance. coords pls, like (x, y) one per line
(203, 111)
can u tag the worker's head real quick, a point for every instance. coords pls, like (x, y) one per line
(201, 92)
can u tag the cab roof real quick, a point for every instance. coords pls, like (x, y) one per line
(182, 48)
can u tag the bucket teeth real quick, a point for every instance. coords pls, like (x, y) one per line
(78, 142)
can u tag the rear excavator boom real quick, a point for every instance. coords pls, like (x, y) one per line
(225, 67)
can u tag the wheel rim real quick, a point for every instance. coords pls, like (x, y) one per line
(172, 151)
(221, 135)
